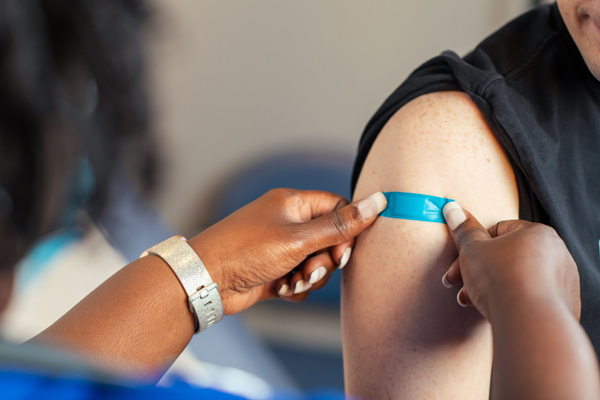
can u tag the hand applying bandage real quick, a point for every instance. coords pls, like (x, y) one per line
(513, 259)
(522, 279)
(283, 244)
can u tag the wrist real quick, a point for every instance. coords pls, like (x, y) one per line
(211, 258)
(203, 295)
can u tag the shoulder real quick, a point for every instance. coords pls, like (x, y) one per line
(520, 42)
(440, 144)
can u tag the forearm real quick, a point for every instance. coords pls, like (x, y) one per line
(137, 322)
(541, 352)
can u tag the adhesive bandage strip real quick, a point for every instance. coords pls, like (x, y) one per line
(413, 206)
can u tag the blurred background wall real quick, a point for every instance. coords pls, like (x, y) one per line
(236, 81)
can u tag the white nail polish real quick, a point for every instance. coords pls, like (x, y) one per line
(445, 281)
(453, 214)
(317, 275)
(284, 290)
(371, 206)
(302, 286)
(345, 257)
(459, 300)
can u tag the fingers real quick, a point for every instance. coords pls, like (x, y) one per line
(343, 224)
(341, 253)
(452, 277)
(316, 203)
(504, 227)
(462, 298)
(464, 227)
(285, 290)
(313, 275)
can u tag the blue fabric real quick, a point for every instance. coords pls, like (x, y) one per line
(413, 206)
(23, 385)
(49, 248)
(43, 253)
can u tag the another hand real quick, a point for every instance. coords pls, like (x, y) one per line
(252, 253)
(512, 260)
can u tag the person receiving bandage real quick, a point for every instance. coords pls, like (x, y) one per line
(510, 131)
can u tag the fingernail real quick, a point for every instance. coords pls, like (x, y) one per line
(371, 206)
(302, 286)
(453, 214)
(459, 298)
(284, 290)
(445, 281)
(345, 258)
(317, 275)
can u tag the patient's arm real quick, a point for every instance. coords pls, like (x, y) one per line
(405, 336)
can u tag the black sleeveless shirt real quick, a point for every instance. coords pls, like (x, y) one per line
(543, 104)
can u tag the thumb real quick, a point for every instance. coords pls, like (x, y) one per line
(343, 224)
(464, 227)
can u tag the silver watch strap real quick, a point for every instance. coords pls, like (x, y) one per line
(203, 294)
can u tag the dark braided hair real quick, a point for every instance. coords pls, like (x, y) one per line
(71, 87)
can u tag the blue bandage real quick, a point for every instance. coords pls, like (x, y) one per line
(413, 206)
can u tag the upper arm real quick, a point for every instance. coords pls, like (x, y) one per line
(404, 334)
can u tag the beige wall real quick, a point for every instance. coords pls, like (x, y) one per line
(236, 80)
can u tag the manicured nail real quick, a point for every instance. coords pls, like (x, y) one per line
(302, 286)
(453, 214)
(345, 258)
(445, 281)
(284, 290)
(459, 298)
(317, 275)
(370, 206)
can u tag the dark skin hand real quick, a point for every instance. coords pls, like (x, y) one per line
(253, 250)
(138, 321)
(521, 277)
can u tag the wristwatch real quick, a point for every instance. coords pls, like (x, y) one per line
(203, 294)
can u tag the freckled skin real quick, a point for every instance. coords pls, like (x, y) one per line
(402, 329)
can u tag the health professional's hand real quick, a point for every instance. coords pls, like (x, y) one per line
(283, 244)
(510, 263)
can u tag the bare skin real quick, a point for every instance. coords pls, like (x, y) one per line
(430, 152)
(138, 321)
(522, 279)
(404, 334)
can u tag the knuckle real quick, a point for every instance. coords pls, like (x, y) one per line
(280, 193)
(549, 231)
(342, 202)
(546, 233)
(340, 223)
(494, 230)
(464, 234)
